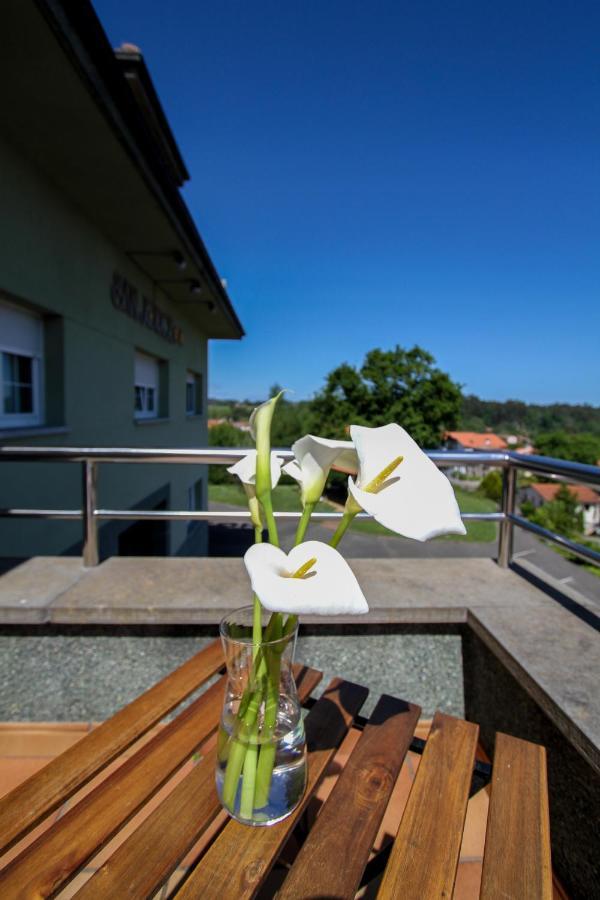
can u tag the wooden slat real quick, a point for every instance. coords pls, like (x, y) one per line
(347, 825)
(240, 859)
(516, 860)
(425, 854)
(29, 803)
(62, 850)
(146, 859)
(306, 680)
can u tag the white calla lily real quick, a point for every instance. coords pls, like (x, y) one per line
(312, 579)
(245, 469)
(417, 499)
(260, 427)
(315, 456)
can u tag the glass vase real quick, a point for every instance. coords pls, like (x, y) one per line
(261, 751)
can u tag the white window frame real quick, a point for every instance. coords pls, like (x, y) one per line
(22, 334)
(146, 383)
(195, 380)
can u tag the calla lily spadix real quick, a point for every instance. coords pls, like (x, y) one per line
(312, 579)
(416, 500)
(315, 456)
(245, 469)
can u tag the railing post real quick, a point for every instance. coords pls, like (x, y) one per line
(505, 541)
(88, 514)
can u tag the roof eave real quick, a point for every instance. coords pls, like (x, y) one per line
(82, 37)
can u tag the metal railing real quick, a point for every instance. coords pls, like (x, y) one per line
(91, 457)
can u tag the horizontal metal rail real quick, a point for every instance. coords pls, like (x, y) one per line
(90, 457)
(579, 550)
(204, 456)
(183, 515)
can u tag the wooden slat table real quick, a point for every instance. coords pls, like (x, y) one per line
(329, 855)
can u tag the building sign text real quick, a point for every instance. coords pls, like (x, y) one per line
(126, 298)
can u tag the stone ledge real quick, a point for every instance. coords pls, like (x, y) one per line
(172, 590)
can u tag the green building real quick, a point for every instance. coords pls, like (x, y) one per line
(108, 297)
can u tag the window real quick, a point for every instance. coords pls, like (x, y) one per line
(193, 394)
(21, 364)
(146, 386)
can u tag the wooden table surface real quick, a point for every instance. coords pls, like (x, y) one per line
(324, 856)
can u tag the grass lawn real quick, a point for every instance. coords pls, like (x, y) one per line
(588, 566)
(468, 501)
(286, 497)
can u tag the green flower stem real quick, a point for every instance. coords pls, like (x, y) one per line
(257, 612)
(289, 626)
(237, 751)
(303, 523)
(267, 505)
(249, 775)
(342, 528)
(237, 746)
(259, 668)
(266, 758)
(268, 749)
(256, 627)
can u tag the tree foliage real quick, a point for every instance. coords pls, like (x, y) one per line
(491, 485)
(528, 418)
(584, 448)
(560, 515)
(398, 385)
(292, 421)
(226, 435)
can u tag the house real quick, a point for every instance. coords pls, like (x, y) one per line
(588, 501)
(108, 296)
(472, 441)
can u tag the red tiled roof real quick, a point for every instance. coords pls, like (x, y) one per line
(477, 441)
(584, 494)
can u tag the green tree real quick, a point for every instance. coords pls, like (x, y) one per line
(491, 485)
(225, 435)
(561, 514)
(528, 418)
(220, 410)
(583, 448)
(398, 385)
(291, 421)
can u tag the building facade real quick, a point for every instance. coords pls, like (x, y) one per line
(472, 441)
(108, 297)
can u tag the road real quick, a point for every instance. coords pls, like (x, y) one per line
(233, 540)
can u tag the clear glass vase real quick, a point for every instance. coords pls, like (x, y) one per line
(261, 752)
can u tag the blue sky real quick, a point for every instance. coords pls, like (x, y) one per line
(367, 174)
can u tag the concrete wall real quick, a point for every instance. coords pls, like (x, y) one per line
(497, 702)
(55, 260)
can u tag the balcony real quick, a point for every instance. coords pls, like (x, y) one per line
(517, 650)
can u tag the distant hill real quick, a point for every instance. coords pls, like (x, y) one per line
(509, 417)
(517, 417)
(231, 409)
